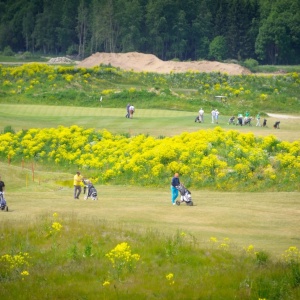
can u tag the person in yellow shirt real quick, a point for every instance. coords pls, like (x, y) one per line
(77, 185)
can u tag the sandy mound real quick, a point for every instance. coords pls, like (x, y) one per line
(140, 62)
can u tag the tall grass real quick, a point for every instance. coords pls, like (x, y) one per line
(72, 263)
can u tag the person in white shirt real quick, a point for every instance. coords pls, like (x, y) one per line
(131, 111)
(201, 115)
(217, 116)
(258, 120)
(213, 115)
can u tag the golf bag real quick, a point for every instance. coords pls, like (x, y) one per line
(247, 121)
(276, 125)
(265, 123)
(185, 195)
(90, 189)
(231, 120)
(3, 204)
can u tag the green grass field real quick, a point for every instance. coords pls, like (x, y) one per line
(267, 220)
(179, 240)
(244, 218)
(147, 121)
(208, 249)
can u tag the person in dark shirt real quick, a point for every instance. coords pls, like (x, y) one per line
(175, 182)
(2, 186)
(2, 200)
(127, 110)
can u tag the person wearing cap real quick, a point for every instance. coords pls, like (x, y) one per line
(77, 185)
(174, 183)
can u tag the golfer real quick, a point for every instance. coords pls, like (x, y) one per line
(175, 182)
(77, 185)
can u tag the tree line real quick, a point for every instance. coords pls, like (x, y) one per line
(264, 30)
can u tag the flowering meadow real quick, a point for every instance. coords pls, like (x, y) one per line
(64, 257)
(64, 85)
(61, 256)
(215, 159)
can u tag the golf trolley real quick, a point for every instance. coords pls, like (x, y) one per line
(3, 205)
(185, 195)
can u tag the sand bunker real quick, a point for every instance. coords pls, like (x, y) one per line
(140, 62)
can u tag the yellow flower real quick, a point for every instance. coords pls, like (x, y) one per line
(291, 255)
(121, 256)
(213, 240)
(170, 277)
(263, 96)
(224, 246)
(106, 283)
(25, 273)
(56, 226)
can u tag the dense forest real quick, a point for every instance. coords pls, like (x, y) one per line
(265, 30)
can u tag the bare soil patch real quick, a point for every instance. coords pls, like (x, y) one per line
(140, 62)
(280, 116)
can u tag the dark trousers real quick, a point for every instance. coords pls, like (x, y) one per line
(77, 191)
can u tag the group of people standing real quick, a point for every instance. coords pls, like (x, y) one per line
(246, 120)
(214, 116)
(130, 111)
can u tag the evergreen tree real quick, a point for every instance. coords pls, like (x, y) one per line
(262, 29)
(82, 27)
(66, 34)
(201, 32)
(129, 18)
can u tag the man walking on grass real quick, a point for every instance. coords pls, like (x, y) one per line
(175, 182)
(258, 120)
(201, 115)
(213, 116)
(77, 185)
